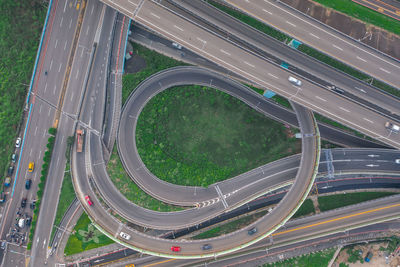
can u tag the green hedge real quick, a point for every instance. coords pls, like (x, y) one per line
(44, 172)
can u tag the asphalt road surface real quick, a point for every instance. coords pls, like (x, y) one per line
(324, 38)
(242, 34)
(258, 70)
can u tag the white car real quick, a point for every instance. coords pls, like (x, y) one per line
(177, 46)
(393, 127)
(397, 161)
(18, 142)
(125, 235)
(295, 81)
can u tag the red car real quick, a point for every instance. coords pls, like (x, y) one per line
(176, 249)
(88, 200)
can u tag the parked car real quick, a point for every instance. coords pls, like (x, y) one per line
(7, 181)
(14, 158)
(207, 247)
(18, 142)
(89, 201)
(31, 166)
(23, 203)
(175, 249)
(177, 46)
(252, 231)
(397, 161)
(295, 81)
(10, 170)
(392, 127)
(32, 205)
(28, 184)
(125, 235)
(28, 220)
(3, 245)
(2, 197)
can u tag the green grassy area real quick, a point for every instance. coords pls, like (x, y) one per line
(336, 201)
(318, 259)
(155, 62)
(21, 23)
(130, 190)
(67, 195)
(364, 14)
(306, 49)
(193, 135)
(43, 177)
(84, 237)
(307, 208)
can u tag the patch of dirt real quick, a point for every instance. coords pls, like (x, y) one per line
(371, 35)
(135, 64)
(379, 258)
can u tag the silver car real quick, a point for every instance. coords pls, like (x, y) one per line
(295, 81)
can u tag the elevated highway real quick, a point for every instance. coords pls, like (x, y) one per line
(98, 176)
(262, 72)
(323, 38)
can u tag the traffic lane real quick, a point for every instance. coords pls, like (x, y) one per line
(80, 62)
(254, 68)
(139, 215)
(97, 212)
(51, 194)
(364, 153)
(323, 38)
(99, 75)
(133, 109)
(285, 53)
(381, 7)
(57, 52)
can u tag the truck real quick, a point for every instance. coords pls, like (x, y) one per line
(368, 257)
(79, 140)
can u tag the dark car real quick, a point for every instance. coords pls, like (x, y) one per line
(252, 231)
(2, 197)
(32, 205)
(23, 203)
(28, 184)
(207, 247)
(10, 170)
(28, 220)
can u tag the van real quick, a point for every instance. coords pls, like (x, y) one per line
(294, 81)
(31, 166)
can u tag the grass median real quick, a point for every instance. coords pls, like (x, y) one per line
(341, 200)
